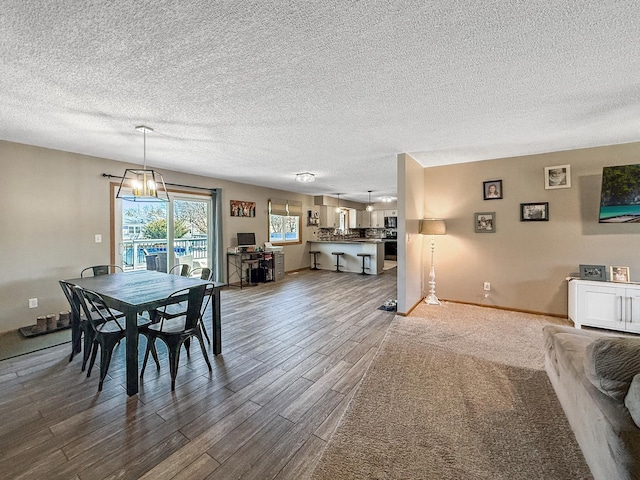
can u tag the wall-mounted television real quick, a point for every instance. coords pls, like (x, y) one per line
(246, 239)
(620, 195)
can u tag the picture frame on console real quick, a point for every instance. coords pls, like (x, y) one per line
(619, 274)
(596, 273)
(534, 212)
(492, 189)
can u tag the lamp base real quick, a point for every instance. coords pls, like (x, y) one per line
(432, 300)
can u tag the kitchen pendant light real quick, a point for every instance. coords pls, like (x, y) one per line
(369, 206)
(146, 185)
(338, 209)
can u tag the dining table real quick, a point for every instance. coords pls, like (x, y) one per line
(135, 292)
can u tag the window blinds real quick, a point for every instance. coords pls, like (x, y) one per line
(278, 206)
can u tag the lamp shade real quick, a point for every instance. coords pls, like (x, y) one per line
(433, 226)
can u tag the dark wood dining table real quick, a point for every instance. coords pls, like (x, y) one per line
(145, 290)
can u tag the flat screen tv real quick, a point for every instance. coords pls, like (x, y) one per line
(246, 239)
(620, 196)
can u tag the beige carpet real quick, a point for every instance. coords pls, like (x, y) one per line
(456, 392)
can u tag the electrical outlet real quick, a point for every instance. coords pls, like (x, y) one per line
(487, 286)
(33, 303)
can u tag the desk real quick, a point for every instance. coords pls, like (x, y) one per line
(234, 261)
(142, 290)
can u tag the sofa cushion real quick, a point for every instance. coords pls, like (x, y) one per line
(611, 363)
(632, 400)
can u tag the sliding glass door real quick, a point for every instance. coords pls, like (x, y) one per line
(157, 236)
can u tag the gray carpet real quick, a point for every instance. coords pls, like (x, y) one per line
(457, 393)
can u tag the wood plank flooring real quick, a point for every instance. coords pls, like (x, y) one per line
(293, 354)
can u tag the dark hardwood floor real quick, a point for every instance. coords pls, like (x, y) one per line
(293, 354)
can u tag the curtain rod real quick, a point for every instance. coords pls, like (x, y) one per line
(108, 175)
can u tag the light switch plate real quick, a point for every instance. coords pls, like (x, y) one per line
(98, 238)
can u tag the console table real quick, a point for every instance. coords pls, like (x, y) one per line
(610, 305)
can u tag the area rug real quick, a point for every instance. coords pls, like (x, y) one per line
(459, 393)
(13, 344)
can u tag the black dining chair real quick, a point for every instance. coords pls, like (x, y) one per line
(108, 330)
(174, 332)
(181, 269)
(96, 270)
(203, 273)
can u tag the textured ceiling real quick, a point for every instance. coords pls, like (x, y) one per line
(257, 91)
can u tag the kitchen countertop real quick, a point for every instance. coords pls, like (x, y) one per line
(351, 240)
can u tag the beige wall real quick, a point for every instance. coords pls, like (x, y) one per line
(53, 203)
(410, 248)
(526, 262)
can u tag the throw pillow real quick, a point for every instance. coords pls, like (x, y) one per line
(632, 400)
(611, 363)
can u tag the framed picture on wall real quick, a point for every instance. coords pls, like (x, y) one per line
(557, 177)
(534, 212)
(619, 274)
(593, 272)
(485, 222)
(492, 189)
(241, 208)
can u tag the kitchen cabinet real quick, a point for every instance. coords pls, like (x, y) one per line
(377, 219)
(391, 213)
(615, 306)
(363, 219)
(329, 217)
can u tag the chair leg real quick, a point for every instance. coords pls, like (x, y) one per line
(94, 352)
(88, 343)
(206, 335)
(174, 360)
(204, 351)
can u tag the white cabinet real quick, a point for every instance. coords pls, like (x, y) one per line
(391, 213)
(615, 306)
(363, 219)
(329, 217)
(377, 219)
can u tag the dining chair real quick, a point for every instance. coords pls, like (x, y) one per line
(101, 270)
(108, 330)
(177, 309)
(181, 269)
(203, 273)
(174, 332)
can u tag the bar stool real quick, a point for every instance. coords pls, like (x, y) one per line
(338, 255)
(315, 259)
(363, 255)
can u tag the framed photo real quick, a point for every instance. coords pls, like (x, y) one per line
(485, 222)
(557, 177)
(534, 212)
(619, 274)
(593, 272)
(240, 208)
(492, 189)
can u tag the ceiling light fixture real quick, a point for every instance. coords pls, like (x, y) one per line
(305, 177)
(369, 206)
(386, 199)
(338, 209)
(143, 183)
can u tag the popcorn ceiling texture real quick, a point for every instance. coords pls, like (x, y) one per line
(257, 91)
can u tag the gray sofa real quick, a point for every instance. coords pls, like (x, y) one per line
(596, 377)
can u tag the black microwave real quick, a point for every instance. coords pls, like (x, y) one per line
(390, 222)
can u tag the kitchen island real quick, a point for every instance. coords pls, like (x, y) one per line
(350, 262)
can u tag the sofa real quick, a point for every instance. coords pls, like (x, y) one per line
(596, 376)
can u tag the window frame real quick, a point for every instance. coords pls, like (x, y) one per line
(286, 209)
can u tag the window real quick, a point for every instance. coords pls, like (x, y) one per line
(284, 221)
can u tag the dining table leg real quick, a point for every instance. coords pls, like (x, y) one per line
(132, 351)
(216, 322)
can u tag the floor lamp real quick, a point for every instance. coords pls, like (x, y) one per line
(433, 227)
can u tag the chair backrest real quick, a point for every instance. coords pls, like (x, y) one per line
(180, 269)
(195, 302)
(95, 310)
(67, 288)
(101, 270)
(201, 273)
